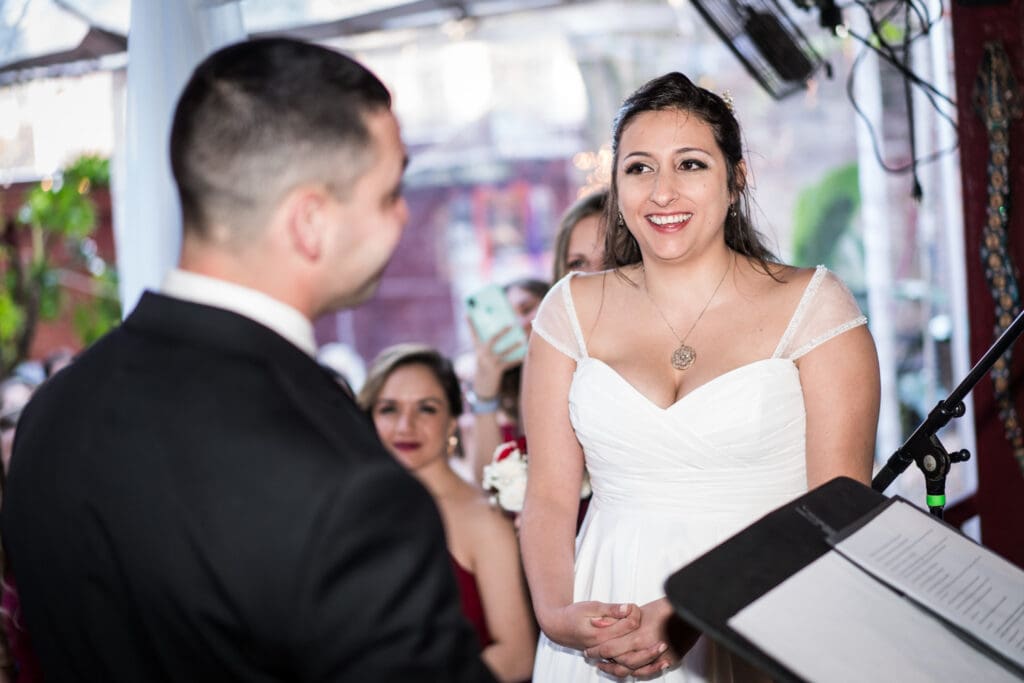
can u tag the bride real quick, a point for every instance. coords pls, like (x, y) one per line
(699, 381)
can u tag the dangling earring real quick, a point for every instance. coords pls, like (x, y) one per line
(453, 443)
(621, 222)
(732, 211)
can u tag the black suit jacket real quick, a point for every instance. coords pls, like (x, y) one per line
(195, 499)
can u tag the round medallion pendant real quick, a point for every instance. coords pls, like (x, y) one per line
(683, 357)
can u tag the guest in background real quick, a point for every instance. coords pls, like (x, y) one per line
(525, 295)
(32, 371)
(494, 392)
(17, 660)
(15, 392)
(413, 396)
(579, 245)
(57, 361)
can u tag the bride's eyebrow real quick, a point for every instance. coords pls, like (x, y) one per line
(678, 150)
(688, 150)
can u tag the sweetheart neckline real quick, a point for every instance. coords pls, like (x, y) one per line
(691, 392)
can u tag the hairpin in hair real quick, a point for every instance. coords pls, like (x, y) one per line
(727, 98)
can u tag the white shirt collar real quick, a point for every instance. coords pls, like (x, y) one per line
(268, 311)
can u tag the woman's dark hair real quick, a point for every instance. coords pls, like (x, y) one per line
(674, 91)
(588, 205)
(402, 355)
(538, 288)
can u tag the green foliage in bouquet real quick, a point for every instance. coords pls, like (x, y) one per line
(59, 214)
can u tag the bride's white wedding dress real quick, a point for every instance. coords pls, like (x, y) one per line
(671, 483)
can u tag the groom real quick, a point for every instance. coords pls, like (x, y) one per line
(195, 499)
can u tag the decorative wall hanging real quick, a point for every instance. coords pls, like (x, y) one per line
(998, 102)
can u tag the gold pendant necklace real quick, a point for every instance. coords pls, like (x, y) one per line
(685, 355)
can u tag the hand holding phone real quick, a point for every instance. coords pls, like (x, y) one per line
(491, 314)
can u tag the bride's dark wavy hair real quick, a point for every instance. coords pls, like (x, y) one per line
(676, 91)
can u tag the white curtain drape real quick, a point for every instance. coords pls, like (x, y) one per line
(166, 41)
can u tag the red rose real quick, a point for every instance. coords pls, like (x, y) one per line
(505, 450)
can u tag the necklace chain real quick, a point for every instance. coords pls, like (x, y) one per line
(684, 356)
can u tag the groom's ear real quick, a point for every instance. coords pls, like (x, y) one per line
(304, 212)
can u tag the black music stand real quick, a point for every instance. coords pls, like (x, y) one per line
(712, 589)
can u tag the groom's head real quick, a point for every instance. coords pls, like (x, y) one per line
(290, 147)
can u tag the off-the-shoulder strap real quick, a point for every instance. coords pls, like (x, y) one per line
(556, 320)
(826, 310)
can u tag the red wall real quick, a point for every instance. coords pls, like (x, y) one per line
(1000, 498)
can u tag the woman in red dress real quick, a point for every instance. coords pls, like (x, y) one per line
(413, 396)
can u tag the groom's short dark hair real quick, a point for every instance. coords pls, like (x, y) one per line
(259, 117)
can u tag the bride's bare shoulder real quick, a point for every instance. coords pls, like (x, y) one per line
(585, 285)
(778, 278)
(593, 291)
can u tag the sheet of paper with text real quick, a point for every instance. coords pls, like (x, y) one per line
(949, 574)
(838, 620)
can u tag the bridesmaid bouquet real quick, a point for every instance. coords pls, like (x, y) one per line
(506, 477)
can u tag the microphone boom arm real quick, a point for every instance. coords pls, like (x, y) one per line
(924, 448)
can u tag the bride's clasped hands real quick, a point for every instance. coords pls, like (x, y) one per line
(620, 639)
(647, 650)
(588, 624)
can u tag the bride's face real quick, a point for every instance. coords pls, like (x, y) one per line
(412, 416)
(672, 184)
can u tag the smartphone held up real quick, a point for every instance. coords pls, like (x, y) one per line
(490, 313)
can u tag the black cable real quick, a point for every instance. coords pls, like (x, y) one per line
(889, 52)
(928, 90)
(906, 73)
(908, 95)
(898, 56)
(884, 48)
(920, 10)
(925, 15)
(896, 170)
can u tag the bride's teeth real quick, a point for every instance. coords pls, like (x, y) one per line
(665, 220)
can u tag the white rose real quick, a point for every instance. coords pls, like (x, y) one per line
(508, 478)
(512, 496)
